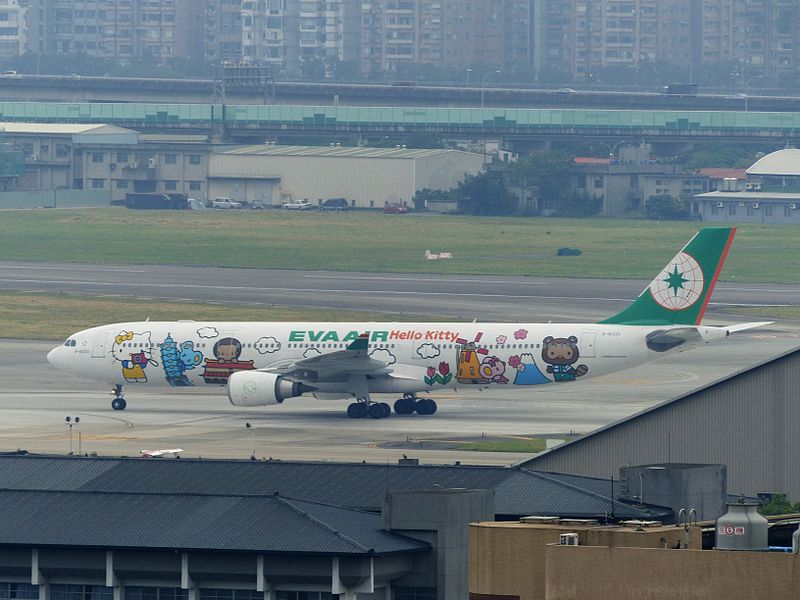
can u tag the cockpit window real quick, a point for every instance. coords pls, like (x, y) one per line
(71, 343)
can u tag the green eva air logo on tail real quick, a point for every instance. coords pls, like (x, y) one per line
(680, 293)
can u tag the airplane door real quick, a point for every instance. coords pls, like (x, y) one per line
(100, 344)
(588, 342)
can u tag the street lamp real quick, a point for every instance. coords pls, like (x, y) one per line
(69, 421)
(252, 439)
(612, 150)
(483, 85)
(468, 74)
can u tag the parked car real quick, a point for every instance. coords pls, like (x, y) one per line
(394, 208)
(335, 204)
(222, 202)
(298, 205)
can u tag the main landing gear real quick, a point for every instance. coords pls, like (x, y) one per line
(407, 405)
(118, 403)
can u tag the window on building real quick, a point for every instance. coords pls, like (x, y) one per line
(122, 157)
(171, 159)
(598, 183)
(20, 591)
(731, 208)
(415, 593)
(62, 151)
(714, 210)
(97, 157)
(195, 186)
(226, 594)
(97, 184)
(768, 210)
(194, 159)
(61, 591)
(171, 185)
(155, 593)
(122, 184)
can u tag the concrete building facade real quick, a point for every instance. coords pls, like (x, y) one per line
(770, 194)
(13, 29)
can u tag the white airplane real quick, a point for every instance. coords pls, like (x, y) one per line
(265, 363)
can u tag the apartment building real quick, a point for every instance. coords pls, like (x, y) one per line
(223, 30)
(113, 28)
(12, 27)
(445, 33)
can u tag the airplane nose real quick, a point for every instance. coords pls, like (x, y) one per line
(55, 356)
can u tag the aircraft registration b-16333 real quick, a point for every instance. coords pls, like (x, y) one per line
(264, 363)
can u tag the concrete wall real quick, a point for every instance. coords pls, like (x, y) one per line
(440, 517)
(614, 573)
(60, 198)
(508, 559)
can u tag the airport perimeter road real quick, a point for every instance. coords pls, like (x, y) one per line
(35, 400)
(452, 297)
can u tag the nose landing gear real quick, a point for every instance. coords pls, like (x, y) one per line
(118, 403)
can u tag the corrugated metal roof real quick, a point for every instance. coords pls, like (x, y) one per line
(61, 128)
(363, 486)
(269, 524)
(336, 151)
(782, 162)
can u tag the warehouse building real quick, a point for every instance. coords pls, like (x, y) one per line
(747, 421)
(366, 177)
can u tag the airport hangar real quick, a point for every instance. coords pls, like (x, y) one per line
(92, 164)
(748, 421)
(84, 528)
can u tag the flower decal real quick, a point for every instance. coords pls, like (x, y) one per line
(521, 334)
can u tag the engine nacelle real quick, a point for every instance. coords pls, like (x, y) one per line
(256, 388)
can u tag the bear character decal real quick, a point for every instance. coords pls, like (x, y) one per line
(561, 354)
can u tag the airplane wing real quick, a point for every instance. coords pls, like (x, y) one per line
(746, 326)
(335, 366)
(160, 453)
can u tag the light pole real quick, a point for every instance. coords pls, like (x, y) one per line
(483, 86)
(468, 74)
(252, 439)
(612, 150)
(69, 421)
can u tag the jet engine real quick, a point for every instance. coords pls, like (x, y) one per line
(256, 388)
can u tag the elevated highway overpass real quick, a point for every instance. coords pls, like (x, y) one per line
(252, 123)
(45, 88)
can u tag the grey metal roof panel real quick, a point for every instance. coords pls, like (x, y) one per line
(269, 524)
(517, 491)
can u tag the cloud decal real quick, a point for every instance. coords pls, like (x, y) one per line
(267, 345)
(428, 351)
(383, 355)
(311, 352)
(208, 332)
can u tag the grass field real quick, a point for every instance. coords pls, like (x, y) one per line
(54, 317)
(383, 243)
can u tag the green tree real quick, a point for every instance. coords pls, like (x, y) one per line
(548, 173)
(779, 505)
(312, 69)
(663, 207)
(423, 196)
(485, 194)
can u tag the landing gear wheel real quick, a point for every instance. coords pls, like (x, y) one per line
(379, 411)
(357, 410)
(425, 406)
(405, 406)
(118, 404)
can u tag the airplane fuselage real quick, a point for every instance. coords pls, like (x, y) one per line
(421, 356)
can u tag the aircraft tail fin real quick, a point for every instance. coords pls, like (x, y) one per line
(680, 293)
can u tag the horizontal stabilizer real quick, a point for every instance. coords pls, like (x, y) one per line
(746, 326)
